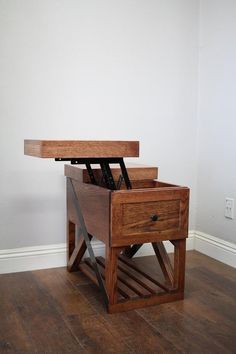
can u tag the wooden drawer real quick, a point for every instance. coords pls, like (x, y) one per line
(149, 214)
(151, 211)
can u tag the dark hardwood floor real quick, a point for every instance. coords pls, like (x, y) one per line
(53, 311)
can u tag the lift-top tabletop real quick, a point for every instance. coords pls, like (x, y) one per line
(81, 148)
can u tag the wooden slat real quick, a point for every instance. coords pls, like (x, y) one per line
(124, 291)
(130, 282)
(121, 288)
(80, 148)
(141, 302)
(144, 282)
(129, 263)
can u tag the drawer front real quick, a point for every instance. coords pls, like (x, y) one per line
(149, 215)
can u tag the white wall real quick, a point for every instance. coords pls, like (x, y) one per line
(217, 117)
(75, 69)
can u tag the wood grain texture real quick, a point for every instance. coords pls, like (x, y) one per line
(95, 206)
(135, 171)
(164, 262)
(137, 217)
(77, 254)
(70, 238)
(122, 274)
(179, 264)
(80, 148)
(131, 217)
(53, 311)
(140, 303)
(131, 213)
(111, 262)
(123, 292)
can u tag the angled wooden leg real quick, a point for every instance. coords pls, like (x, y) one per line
(164, 262)
(179, 263)
(70, 238)
(78, 252)
(111, 261)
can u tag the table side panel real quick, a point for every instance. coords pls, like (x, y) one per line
(95, 206)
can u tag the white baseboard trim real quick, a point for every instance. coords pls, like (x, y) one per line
(32, 258)
(52, 256)
(216, 248)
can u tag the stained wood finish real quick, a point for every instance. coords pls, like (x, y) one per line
(138, 289)
(123, 292)
(125, 218)
(95, 206)
(80, 149)
(151, 284)
(111, 273)
(136, 172)
(77, 254)
(144, 302)
(132, 213)
(120, 219)
(137, 217)
(164, 261)
(53, 311)
(70, 238)
(179, 264)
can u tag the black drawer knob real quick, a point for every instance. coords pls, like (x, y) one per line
(154, 217)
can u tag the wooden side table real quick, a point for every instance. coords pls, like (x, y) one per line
(124, 208)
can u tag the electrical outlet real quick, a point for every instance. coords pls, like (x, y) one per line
(229, 208)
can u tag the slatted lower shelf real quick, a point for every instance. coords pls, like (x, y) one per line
(133, 283)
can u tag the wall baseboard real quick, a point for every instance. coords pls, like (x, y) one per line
(32, 258)
(216, 248)
(52, 256)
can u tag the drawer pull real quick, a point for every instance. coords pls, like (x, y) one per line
(154, 217)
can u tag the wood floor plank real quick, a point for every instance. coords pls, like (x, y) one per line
(97, 336)
(136, 333)
(181, 330)
(11, 341)
(44, 328)
(67, 298)
(52, 311)
(84, 322)
(210, 321)
(211, 278)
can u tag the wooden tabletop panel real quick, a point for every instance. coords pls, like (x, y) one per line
(80, 148)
